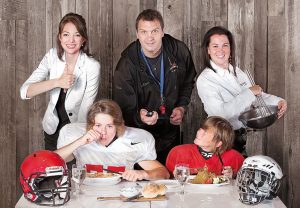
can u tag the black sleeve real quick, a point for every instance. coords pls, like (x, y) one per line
(125, 92)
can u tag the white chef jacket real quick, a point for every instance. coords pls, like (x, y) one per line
(79, 97)
(226, 95)
(134, 146)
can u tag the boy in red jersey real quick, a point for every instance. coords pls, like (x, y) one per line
(212, 147)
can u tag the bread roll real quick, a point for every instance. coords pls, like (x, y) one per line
(162, 189)
(152, 190)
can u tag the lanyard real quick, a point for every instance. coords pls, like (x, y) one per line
(162, 75)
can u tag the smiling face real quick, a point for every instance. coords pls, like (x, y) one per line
(204, 139)
(70, 39)
(219, 50)
(104, 124)
(150, 35)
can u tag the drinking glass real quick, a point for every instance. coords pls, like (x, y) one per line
(181, 173)
(78, 175)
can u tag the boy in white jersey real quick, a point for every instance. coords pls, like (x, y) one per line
(106, 141)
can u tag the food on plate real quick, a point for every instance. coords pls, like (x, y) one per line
(152, 190)
(220, 179)
(100, 175)
(205, 177)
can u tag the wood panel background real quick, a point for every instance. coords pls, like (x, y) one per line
(267, 34)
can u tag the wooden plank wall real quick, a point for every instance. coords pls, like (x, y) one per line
(291, 141)
(267, 34)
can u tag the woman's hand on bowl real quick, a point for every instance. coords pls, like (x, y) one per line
(282, 106)
(256, 89)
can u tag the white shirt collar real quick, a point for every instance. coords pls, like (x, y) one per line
(221, 71)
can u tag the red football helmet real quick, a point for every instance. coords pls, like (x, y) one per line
(44, 178)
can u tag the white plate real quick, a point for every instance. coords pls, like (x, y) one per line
(170, 184)
(207, 185)
(102, 181)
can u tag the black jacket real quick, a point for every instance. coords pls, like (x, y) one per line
(134, 88)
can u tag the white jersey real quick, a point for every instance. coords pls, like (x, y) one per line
(134, 146)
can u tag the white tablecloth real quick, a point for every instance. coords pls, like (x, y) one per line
(206, 196)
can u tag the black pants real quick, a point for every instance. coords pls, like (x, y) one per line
(51, 140)
(161, 155)
(166, 137)
(165, 141)
(240, 140)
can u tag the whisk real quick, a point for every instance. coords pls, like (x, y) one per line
(262, 109)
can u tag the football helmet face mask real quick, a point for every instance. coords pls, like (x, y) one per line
(44, 179)
(259, 178)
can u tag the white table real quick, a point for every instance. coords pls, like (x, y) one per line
(195, 196)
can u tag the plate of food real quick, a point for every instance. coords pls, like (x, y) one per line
(101, 178)
(215, 181)
(204, 177)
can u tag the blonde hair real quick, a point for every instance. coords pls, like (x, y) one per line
(223, 132)
(108, 107)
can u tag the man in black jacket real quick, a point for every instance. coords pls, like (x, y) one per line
(153, 82)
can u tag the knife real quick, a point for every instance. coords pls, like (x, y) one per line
(111, 171)
(102, 198)
(139, 195)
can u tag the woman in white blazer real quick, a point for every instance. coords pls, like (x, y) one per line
(224, 89)
(69, 74)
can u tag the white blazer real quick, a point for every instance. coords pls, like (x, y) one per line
(79, 97)
(226, 95)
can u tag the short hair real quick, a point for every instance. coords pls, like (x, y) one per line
(223, 132)
(217, 30)
(80, 25)
(149, 15)
(108, 107)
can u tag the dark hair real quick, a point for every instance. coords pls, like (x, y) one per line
(80, 25)
(108, 107)
(205, 43)
(149, 15)
(223, 132)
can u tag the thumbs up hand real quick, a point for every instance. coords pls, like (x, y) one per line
(67, 79)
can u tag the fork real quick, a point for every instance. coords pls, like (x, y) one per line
(220, 158)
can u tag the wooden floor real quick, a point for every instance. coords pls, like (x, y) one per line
(267, 34)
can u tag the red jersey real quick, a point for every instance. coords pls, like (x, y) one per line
(189, 154)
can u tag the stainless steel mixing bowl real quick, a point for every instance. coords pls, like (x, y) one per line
(253, 119)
